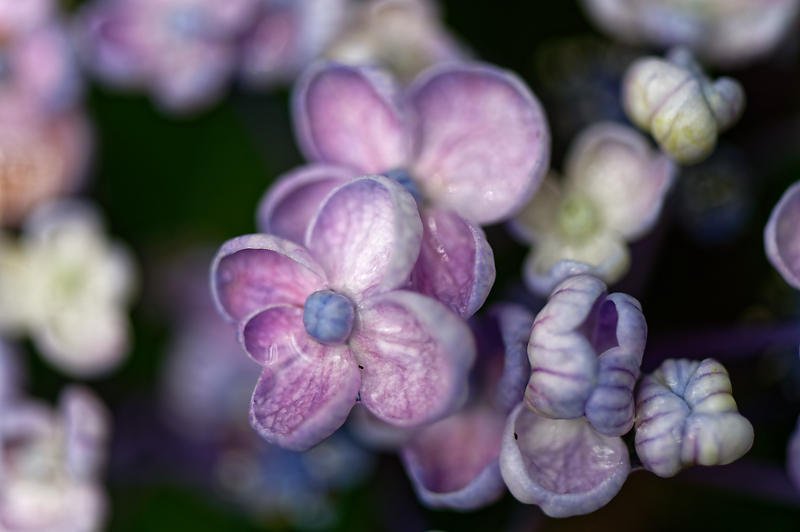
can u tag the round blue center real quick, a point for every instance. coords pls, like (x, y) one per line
(402, 177)
(328, 317)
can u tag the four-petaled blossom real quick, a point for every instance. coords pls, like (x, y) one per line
(585, 350)
(613, 191)
(728, 33)
(471, 143)
(67, 286)
(782, 236)
(287, 36)
(679, 105)
(182, 51)
(51, 463)
(454, 463)
(330, 325)
(404, 36)
(685, 415)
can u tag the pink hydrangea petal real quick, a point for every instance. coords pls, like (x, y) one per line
(456, 263)
(782, 238)
(347, 115)
(562, 465)
(366, 235)
(253, 271)
(306, 389)
(453, 463)
(515, 324)
(289, 205)
(88, 430)
(416, 355)
(483, 144)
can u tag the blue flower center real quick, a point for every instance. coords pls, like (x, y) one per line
(402, 177)
(328, 317)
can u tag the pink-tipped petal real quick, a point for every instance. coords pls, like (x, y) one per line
(253, 271)
(366, 235)
(562, 465)
(347, 115)
(456, 263)
(416, 355)
(782, 236)
(306, 389)
(289, 205)
(483, 144)
(453, 463)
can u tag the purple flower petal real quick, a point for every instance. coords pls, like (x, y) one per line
(793, 456)
(253, 271)
(562, 465)
(515, 324)
(375, 433)
(348, 116)
(456, 263)
(366, 235)
(289, 205)
(685, 415)
(415, 356)
(453, 463)
(483, 144)
(782, 238)
(306, 389)
(87, 431)
(10, 373)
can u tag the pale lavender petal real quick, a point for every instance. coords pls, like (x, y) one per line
(620, 336)
(483, 144)
(782, 237)
(562, 465)
(415, 355)
(306, 389)
(366, 235)
(348, 116)
(453, 463)
(515, 324)
(253, 271)
(87, 427)
(456, 263)
(685, 415)
(289, 205)
(563, 360)
(793, 456)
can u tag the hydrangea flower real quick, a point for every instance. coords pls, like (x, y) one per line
(51, 463)
(67, 286)
(330, 324)
(563, 465)
(471, 144)
(679, 105)
(613, 191)
(287, 36)
(685, 415)
(782, 238)
(793, 456)
(453, 463)
(182, 51)
(404, 36)
(585, 350)
(37, 70)
(729, 33)
(39, 161)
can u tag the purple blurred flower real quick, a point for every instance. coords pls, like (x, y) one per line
(403, 36)
(728, 33)
(50, 464)
(679, 105)
(288, 35)
(793, 456)
(613, 192)
(453, 463)
(182, 51)
(64, 284)
(472, 147)
(585, 350)
(563, 465)
(685, 415)
(330, 325)
(782, 238)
